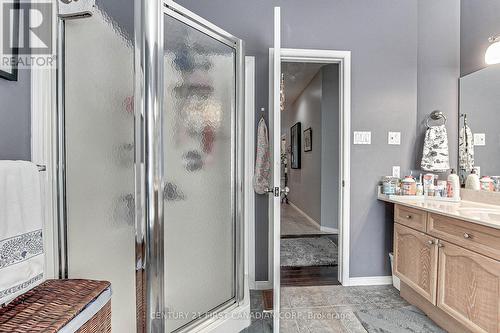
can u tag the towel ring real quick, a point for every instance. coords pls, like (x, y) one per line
(436, 115)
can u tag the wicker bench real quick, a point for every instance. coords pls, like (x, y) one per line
(82, 306)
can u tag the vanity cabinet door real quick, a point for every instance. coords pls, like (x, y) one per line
(415, 260)
(469, 288)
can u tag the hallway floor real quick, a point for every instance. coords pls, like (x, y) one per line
(367, 309)
(293, 223)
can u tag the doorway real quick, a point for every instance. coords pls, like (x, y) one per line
(278, 56)
(310, 159)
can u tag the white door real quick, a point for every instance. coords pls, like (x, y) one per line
(275, 143)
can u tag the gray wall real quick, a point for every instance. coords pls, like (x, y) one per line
(330, 147)
(438, 69)
(15, 118)
(479, 20)
(305, 183)
(382, 36)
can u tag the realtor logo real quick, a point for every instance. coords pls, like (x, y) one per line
(26, 28)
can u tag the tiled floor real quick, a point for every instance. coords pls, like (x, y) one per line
(323, 309)
(294, 223)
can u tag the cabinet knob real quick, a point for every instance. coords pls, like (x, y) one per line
(466, 235)
(430, 241)
(440, 244)
(409, 217)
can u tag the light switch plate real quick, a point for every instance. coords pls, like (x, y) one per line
(362, 138)
(479, 139)
(396, 171)
(394, 138)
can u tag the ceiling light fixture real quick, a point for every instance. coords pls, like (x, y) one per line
(492, 55)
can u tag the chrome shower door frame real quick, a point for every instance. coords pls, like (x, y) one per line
(149, 90)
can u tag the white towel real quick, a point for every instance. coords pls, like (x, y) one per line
(21, 244)
(262, 160)
(436, 155)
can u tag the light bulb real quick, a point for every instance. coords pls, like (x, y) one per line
(492, 55)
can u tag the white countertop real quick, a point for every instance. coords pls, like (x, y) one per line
(484, 214)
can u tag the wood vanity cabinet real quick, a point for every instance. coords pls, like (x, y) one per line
(453, 265)
(416, 261)
(469, 288)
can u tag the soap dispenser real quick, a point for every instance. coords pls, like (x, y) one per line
(472, 181)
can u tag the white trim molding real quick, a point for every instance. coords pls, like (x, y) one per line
(329, 230)
(43, 134)
(249, 167)
(370, 281)
(301, 212)
(343, 58)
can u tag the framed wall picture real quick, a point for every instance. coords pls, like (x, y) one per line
(295, 140)
(308, 143)
(9, 45)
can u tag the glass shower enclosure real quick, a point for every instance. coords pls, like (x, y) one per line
(150, 150)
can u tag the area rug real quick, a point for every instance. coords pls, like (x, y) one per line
(308, 251)
(407, 319)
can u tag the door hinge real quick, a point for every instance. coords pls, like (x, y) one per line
(276, 191)
(343, 183)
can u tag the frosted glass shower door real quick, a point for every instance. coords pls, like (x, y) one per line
(99, 145)
(199, 130)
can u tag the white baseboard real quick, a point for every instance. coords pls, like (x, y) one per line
(330, 230)
(370, 281)
(313, 221)
(262, 285)
(310, 219)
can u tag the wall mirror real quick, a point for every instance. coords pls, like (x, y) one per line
(479, 135)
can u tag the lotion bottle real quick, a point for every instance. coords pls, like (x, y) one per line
(472, 181)
(454, 181)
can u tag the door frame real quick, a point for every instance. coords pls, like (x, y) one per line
(343, 58)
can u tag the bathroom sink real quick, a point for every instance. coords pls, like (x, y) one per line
(488, 213)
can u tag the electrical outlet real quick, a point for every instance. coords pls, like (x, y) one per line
(479, 139)
(396, 171)
(362, 138)
(394, 138)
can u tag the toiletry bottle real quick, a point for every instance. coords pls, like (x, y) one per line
(428, 179)
(453, 185)
(431, 190)
(420, 189)
(472, 181)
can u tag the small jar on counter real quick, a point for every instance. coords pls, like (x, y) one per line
(496, 183)
(390, 185)
(409, 186)
(486, 184)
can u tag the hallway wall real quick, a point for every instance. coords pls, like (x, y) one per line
(330, 148)
(305, 183)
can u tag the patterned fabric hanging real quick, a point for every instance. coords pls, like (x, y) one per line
(262, 171)
(466, 151)
(436, 155)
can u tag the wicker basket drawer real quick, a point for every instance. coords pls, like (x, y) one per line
(410, 217)
(475, 237)
(50, 306)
